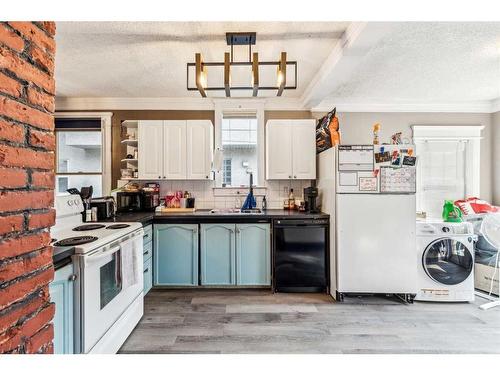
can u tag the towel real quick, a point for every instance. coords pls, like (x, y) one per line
(129, 264)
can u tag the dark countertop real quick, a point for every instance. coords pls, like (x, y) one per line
(204, 215)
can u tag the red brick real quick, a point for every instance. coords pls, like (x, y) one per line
(35, 35)
(17, 291)
(46, 140)
(23, 200)
(42, 58)
(43, 220)
(26, 70)
(11, 132)
(11, 39)
(25, 265)
(22, 310)
(25, 158)
(27, 331)
(10, 86)
(43, 180)
(40, 339)
(12, 223)
(18, 246)
(23, 113)
(48, 26)
(12, 178)
(41, 99)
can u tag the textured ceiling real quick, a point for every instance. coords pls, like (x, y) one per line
(148, 59)
(428, 62)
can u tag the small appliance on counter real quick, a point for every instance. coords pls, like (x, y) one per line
(311, 197)
(129, 201)
(150, 194)
(105, 207)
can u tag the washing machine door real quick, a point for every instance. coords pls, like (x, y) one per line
(448, 261)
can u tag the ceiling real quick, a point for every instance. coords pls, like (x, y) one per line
(148, 59)
(427, 62)
(352, 65)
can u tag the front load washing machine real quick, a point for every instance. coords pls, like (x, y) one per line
(445, 261)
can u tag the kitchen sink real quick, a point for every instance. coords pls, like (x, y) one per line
(235, 211)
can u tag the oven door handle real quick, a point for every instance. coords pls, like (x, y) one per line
(103, 253)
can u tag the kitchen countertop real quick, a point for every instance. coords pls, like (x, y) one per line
(204, 215)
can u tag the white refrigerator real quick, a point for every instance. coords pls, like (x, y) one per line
(369, 192)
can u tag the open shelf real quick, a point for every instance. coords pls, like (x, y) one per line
(129, 142)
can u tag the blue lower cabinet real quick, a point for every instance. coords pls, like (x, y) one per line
(175, 254)
(217, 254)
(61, 294)
(253, 254)
(148, 275)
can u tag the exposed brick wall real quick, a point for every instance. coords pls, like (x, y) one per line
(27, 145)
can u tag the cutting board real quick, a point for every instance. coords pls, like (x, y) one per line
(178, 210)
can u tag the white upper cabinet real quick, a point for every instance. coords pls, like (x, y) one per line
(174, 154)
(291, 149)
(150, 149)
(175, 149)
(304, 149)
(278, 150)
(199, 149)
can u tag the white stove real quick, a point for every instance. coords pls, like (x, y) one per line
(108, 263)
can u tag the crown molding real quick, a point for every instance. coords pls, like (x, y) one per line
(485, 106)
(180, 104)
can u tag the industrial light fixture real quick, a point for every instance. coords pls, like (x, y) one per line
(240, 39)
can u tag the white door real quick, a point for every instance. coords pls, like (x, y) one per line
(199, 149)
(376, 243)
(150, 149)
(304, 149)
(278, 150)
(174, 149)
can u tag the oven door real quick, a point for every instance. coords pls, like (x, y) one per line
(112, 280)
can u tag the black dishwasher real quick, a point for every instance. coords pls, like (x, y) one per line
(300, 255)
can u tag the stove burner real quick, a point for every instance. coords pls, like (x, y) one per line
(117, 226)
(88, 227)
(73, 241)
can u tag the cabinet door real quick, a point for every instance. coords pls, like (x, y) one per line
(150, 149)
(304, 149)
(174, 150)
(175, 254)
(217, 254)
(253, 254)
(61, 293)
(199, 149)
(278, 150)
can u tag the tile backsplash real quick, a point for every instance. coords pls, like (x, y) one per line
(208, 197)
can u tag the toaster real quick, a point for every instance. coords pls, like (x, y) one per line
(105, 207)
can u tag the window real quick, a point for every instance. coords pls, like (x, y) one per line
(448, 165)
(79, 155)
(239, 148)
(226, 172)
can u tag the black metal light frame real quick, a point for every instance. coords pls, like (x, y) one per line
(242, 39)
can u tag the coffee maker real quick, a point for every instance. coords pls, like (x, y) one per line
(311, 197)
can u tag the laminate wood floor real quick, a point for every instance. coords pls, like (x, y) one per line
(257, 321)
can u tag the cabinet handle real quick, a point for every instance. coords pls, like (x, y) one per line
(294, 176)
(164, 176)
(289, 176)
(145, 253)
(206, 176)
(238, 231)
(72, 277)
(159, 176)
(146, 236)
(146, 270)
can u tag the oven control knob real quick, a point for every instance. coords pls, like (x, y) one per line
(446, 229)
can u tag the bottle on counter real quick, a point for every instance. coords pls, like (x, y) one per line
(264, 203)
(291, 200)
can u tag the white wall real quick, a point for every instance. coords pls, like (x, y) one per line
(495, 124)
(356, 127)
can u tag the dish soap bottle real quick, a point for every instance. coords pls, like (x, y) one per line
(264, 203)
